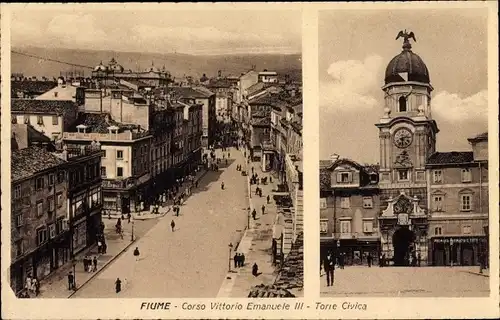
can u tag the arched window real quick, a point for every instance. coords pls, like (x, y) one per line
(402, 104)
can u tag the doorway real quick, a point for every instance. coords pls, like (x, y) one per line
(403, 240)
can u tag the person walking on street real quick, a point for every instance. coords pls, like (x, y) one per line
(235, 258)
(369, 259)
(255, 270)
(36, 286)
(118, 285)
(254, 214)
(128, 217)
(268, 199)
(172, 224)
(242, 259)
(222, 185)
(263, 209)
(136, 253)
(95, 263)
(71, 281)
(329, 266)
(104, 248)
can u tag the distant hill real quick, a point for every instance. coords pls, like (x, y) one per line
(178, 64)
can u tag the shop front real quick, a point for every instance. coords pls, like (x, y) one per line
(357, 251)
(457, 251)
(79, 235)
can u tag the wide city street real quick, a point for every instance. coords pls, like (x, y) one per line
(193, 260)
(407, 282)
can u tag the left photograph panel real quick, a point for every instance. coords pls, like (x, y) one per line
(156, 153)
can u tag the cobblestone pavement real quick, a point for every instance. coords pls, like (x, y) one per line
(407, 282)
(193, 260)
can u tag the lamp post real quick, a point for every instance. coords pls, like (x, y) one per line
(230, 249)
(132, 235)
(74, 274)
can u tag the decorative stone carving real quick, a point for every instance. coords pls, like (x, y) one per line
(403, 160)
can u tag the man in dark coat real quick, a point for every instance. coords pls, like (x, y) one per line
(71, 281)
(118, 285)
(329, 266)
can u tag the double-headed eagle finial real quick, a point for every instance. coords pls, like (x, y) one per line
(406, 35)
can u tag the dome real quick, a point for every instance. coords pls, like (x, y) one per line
(114, 66)
(407, 62)
(100, 67)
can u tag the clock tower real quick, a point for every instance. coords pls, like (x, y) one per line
(407, 135)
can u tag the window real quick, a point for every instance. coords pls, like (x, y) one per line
(322, 203)
(119, 172)
(52, 231)
(103, 153)
(438, 231)
(438, 176)
(465, 202)
(39, 183)
(345, 227)
(39, 208)
(467, 230)
(367, 202)
(39, 120)
(41, 236)
(61, 176)
(55, 120)
(19, 220)
(323, 226)
(367, 226)
(19, 248)
(52, 179)
(438, 203)
(60, 225)
(345, 202)
(17, 192)
(466, 175)
(14, 119)
(51, 204)
(420, 175)
(402, 104)
(403, 175)
(59, 200)
(103, 172)
(119, 154)
(344, 177)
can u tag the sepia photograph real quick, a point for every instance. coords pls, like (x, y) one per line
(156, 153)
(404, 198)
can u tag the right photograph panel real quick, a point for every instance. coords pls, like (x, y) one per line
(404, 149)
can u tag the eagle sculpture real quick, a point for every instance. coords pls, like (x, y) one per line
(406, 35)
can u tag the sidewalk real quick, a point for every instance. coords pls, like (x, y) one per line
(255, 244)
(56, 284)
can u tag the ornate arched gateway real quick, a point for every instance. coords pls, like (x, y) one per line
(403, 226)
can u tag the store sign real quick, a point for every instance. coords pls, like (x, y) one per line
(459, 240)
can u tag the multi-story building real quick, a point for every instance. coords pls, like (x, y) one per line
(65, 91)
(223, 90)
(431, 205)
(50, 117)
(40, 238)
(349, 210)
(268, 76)
(125, 163)
(203, 96)
(192, 133)
(458, 204)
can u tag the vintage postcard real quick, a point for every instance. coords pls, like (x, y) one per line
(158, 162)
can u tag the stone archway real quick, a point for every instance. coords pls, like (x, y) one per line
(403, 241)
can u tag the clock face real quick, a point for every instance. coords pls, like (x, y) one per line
(403, 138)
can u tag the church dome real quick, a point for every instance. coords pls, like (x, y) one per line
(100, 67)
(115, 66)
(409, 63)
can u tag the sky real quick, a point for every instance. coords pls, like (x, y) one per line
(354, 50)
(159, 29)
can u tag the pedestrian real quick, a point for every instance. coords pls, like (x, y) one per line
(71, 281)
(172, 224)
(263, 209)
(270, 179)
(196, 184)
(89, 264)
(36, 286)
(99, 246)
(369, 260)
(383, 260)
(27, 285)
(104, 248)
(255, 270)
(128, 217)
(229, 155)
(85, 263)
(118, 285)
(242, 259)
(236, 260)
(260, 192)
(95, 263)
(257, 191)
(342, 260)
(252, 170)
(418, 259)
(329, 266)
(136, 253)
(222, 185)
(268, 199)
(254, 214)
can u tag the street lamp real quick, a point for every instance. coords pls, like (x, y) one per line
(132, 235)
(230, 249)
(74, 274)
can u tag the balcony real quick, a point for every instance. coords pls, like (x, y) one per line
(122, 136)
